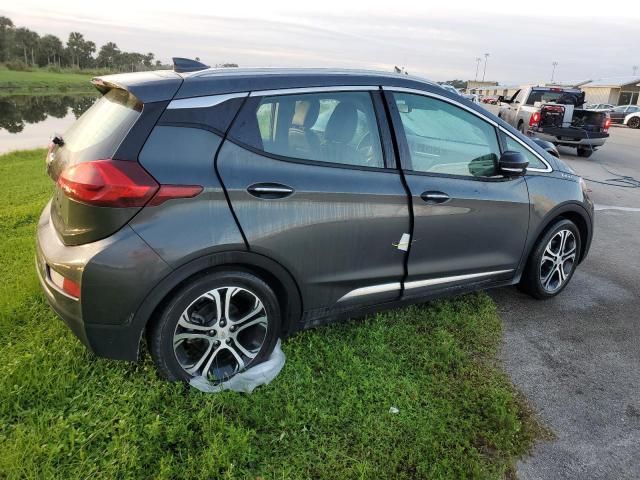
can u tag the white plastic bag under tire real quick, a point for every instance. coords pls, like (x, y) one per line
(248, 380)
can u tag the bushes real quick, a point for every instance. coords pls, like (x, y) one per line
(18, 66)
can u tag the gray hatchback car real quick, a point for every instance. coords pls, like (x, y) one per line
(211, 212)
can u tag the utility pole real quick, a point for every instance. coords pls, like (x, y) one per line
(486, 56)
(635, 70)
(478, 60)
(553, 70)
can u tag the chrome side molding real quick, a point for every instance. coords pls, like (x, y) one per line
(204, 102)
(389, 287)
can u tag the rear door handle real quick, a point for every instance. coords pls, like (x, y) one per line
(435, 197)
(269, 191)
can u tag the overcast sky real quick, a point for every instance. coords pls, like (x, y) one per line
(588, 39)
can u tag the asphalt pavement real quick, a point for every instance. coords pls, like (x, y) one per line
(577, 357)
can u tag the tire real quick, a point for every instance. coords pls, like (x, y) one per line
(547, 273)
(585, 152)
(207, 341)
(634, 122)
(521, 128)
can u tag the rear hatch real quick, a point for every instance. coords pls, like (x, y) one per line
(95, 194)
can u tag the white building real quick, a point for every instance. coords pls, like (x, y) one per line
(613, 90)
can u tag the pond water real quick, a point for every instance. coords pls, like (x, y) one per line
(28, 121)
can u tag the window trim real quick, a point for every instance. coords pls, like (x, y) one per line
(477, 114)
(310, 90)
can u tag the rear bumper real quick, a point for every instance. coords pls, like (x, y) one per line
(570, 136)
(115, 275)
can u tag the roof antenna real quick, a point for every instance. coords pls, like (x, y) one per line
(183, 65)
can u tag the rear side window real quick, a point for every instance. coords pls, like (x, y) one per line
(446, 139)
(100, 130)
(513, 146)
(333, 127)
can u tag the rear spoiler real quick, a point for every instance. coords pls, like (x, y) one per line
(152, 86)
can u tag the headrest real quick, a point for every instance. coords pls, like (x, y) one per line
(306, 113)
(342, 124)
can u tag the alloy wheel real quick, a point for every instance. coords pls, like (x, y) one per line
(558, 260)
(220, 333)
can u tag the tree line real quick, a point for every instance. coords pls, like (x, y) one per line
(22, 46)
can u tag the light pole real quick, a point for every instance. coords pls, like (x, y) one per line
(486, 56)
(478, 59)
(635, 70)
(553, 70)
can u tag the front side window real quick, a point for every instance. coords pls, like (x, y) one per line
(333, 127)
(513, 146)
(446, 139)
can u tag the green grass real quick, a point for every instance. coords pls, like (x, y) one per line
(43, 81)
(66, 414)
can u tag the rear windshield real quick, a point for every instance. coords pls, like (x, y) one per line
(99, 131)
(544, 96)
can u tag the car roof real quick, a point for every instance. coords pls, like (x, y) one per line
(215, 81)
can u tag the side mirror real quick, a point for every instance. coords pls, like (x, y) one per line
(513, 163)
(501, 98)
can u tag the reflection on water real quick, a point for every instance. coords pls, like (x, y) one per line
(28, 121)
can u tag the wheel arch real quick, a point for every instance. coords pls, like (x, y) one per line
(569, 211)
(274, 274)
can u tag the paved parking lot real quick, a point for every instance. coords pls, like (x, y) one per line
(577, 357)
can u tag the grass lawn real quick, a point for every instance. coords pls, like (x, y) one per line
(66, 414)
(42, 82)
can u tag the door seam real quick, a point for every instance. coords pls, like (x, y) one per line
(222, 185)
(405, 185)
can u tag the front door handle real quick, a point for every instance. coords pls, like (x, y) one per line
(435, 197)
(269, 191)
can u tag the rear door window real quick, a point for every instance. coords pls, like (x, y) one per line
(332, 127)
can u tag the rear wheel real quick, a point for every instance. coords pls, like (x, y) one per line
(216, 326)
(553, 261)
(521, 127)
(585, 152)
(634, 122)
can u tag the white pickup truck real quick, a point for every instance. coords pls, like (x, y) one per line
(556, 115)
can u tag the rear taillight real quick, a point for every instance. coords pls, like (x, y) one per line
(534, 120)
(108, 183)
(607, 124)
(118, 183)
(168, 192)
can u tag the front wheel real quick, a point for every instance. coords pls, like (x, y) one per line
(215, 326)
(552, 261)
(634, 122)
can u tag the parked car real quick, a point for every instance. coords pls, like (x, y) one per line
(632, 120)
(620, 113)
(607, 107)
(554, 114)
(549, 147)
(211, 212)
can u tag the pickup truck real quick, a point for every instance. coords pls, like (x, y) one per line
(556, 115)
